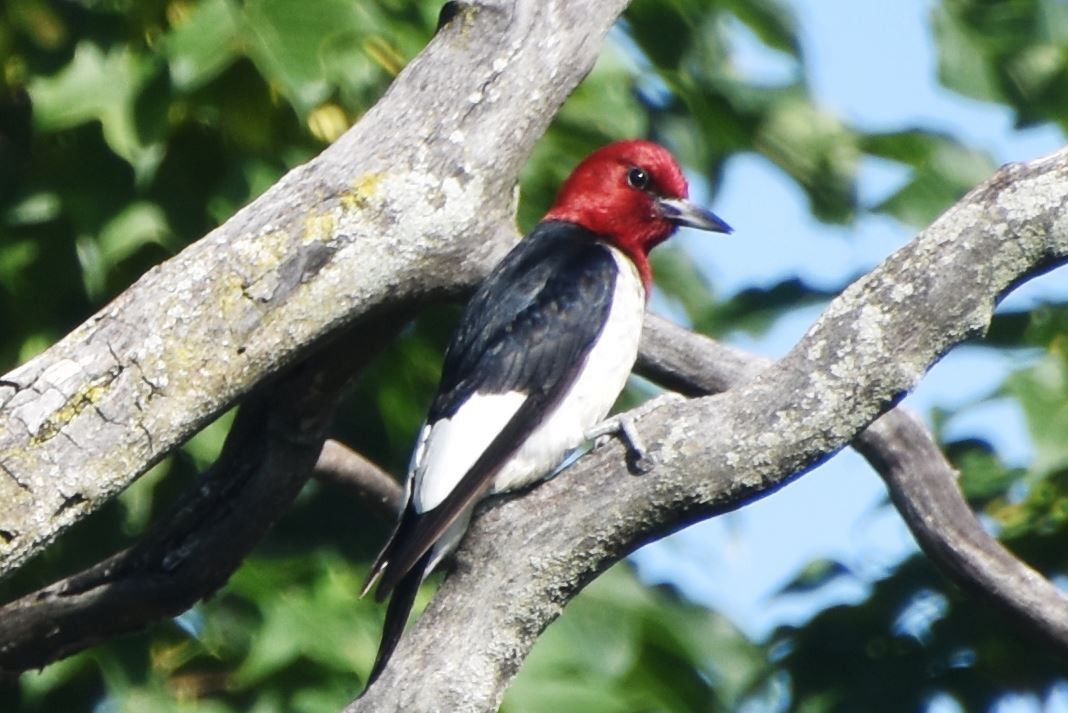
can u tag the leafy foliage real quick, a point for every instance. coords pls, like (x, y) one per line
(624, 646)
(1008, 52)
(129, 129)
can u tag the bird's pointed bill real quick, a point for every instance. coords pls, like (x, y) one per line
(682, 212)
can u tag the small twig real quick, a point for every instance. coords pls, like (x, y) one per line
(373, 487)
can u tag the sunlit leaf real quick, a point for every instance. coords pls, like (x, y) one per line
(34, 208)
(139, 224)
(818, 151)
(1043, 392)
(203, 44)
(815, 575)
(622, 641)
(943, 170)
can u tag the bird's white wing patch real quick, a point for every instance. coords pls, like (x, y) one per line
(595, 389)
(450, 446)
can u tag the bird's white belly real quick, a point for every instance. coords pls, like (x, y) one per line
(599, 383)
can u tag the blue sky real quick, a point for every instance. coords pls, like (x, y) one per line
(874, 65)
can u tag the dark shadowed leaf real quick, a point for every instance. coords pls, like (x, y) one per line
(816, 574)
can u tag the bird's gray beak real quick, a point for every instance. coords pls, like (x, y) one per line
(682, 212)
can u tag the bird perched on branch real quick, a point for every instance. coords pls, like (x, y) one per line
(541, 353)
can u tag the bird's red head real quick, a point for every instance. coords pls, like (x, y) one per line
(633, 194)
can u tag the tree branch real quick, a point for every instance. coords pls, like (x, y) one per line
(414, 201)
(922, 484)
(923, 488)
(268, 455)
(524, 558)
(361, 479)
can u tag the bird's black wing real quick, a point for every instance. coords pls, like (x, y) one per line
(546, 301)
(528, 329)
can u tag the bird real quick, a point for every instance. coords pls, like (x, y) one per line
(541, 352)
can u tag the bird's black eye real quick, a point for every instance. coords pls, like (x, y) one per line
(638, 178)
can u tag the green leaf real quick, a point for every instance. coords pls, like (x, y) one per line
(622, 645)
(665, 31)
(104, 86)
(94, 268)
(14, 259)
(770, 20)
(286, 41)
(755, 310)
(815, 575)
(204, 44)
(943, 171)
(818, 151)
(1043, 392)
(1048, 327)
(1037, 70)
(34, 208)
(311, 610)
(138, 499)
(983, 476)
(678, 279)
(137, 225)
(206, 445)
(961, 57)
(565, 692)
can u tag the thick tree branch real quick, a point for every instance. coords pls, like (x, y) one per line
(525, 558)
(273, 445)
(411, 202)
(922, 484)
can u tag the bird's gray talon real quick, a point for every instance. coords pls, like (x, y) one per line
(624, 426)
(641, 463)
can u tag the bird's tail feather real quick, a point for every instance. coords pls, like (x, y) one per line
(400, 606)
(382, 561)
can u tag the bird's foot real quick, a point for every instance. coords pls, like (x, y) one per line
(625, 426)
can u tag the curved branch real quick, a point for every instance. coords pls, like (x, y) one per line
(271, 449)
(413, 201)
(525, 558)
(922, 484)
(923, 488)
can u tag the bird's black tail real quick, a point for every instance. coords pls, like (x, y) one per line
(400, 606)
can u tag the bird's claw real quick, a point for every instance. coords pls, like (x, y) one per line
(625, 426)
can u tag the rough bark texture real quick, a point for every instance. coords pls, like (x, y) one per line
(922, 484)
(525, 558)
(271, 449)
(414, 200)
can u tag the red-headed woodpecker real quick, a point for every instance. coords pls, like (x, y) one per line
(541, 353)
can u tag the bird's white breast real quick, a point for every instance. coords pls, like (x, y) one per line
(596, 388)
